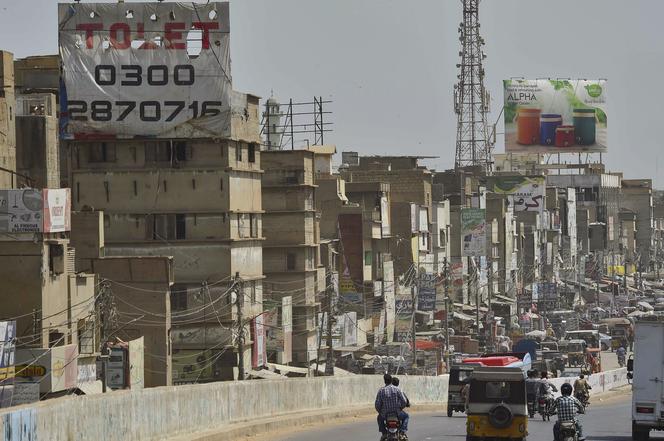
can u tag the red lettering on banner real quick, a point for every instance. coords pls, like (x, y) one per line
(126, 36)
(89, 28)
(205, 27)
(173, 36)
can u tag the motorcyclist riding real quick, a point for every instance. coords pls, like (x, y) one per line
(390, 401)
(582, 389)
(547, 388)
(621, 352)
(532, 389)
(567, 407)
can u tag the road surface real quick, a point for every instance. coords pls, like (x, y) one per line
(603, 422)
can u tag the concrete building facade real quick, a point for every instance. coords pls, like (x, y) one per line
(198, 200)
(291, 252)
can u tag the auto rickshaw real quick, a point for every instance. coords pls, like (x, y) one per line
(576, 353)
(497, 405)
(459, 376)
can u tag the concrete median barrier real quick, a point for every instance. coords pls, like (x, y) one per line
(168, 412)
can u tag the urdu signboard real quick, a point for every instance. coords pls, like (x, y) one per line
(148, 69)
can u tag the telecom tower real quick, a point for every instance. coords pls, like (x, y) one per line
(471, 99)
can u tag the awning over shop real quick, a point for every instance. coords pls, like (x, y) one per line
(503, 299)
(288, 369)
(265, 374)
(463, 317)
(90, 387)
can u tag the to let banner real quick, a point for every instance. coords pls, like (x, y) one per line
(145, 69)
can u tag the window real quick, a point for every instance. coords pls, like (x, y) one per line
(102, 152)
(179, 297)
(107, 221)
(497, 389)
(290, 261)
(56, 339)
(243, 225)
(367, 258)
(180, 151)
(56, 260)
(253, 221)
(86, 337)
(238, 152)
(252, 152)
(291, 178)
(157, 152)
(166, 227)
(180, 226)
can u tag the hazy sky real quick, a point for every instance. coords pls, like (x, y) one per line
(390, 65)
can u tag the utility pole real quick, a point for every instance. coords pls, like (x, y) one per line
(239, 301)
(413, 291)
(330, 361)
(446, 281)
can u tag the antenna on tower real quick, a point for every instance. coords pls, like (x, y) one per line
(471, 99)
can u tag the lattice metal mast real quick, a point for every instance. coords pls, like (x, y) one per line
(471, 99)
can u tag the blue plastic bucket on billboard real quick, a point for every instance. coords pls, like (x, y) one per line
(549, 122)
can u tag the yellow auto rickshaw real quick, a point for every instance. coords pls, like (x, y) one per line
(497, 405)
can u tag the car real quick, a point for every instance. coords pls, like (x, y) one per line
(605, 341)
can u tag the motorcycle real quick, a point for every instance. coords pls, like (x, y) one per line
(544, 404)
(532, 405)
(584, 398)
(568, 431)
(621, 361)
(393, 426)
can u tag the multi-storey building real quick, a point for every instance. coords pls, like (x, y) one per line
(7, 121)
(411, 205)
(637, 196)
(198, 200)
(291, 252)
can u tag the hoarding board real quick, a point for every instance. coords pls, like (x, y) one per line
(555, 116)
(525, 193)
(258, 349)
(426, 293)
(57, 210)
(7, 348)
(136, 350)
(28, 210)
(473, 231)
(146, 69)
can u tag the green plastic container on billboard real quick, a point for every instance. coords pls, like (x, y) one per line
(585, 126)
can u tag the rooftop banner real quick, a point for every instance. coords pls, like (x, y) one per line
(525, 193)
(145, 69)
(555, 116)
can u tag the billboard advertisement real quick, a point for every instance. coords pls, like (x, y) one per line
(258, 349)
(426, 294)
(7, 348)
(473, 231)
(555, 116)
(525, 193)
(145, 69)
(28, 210)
